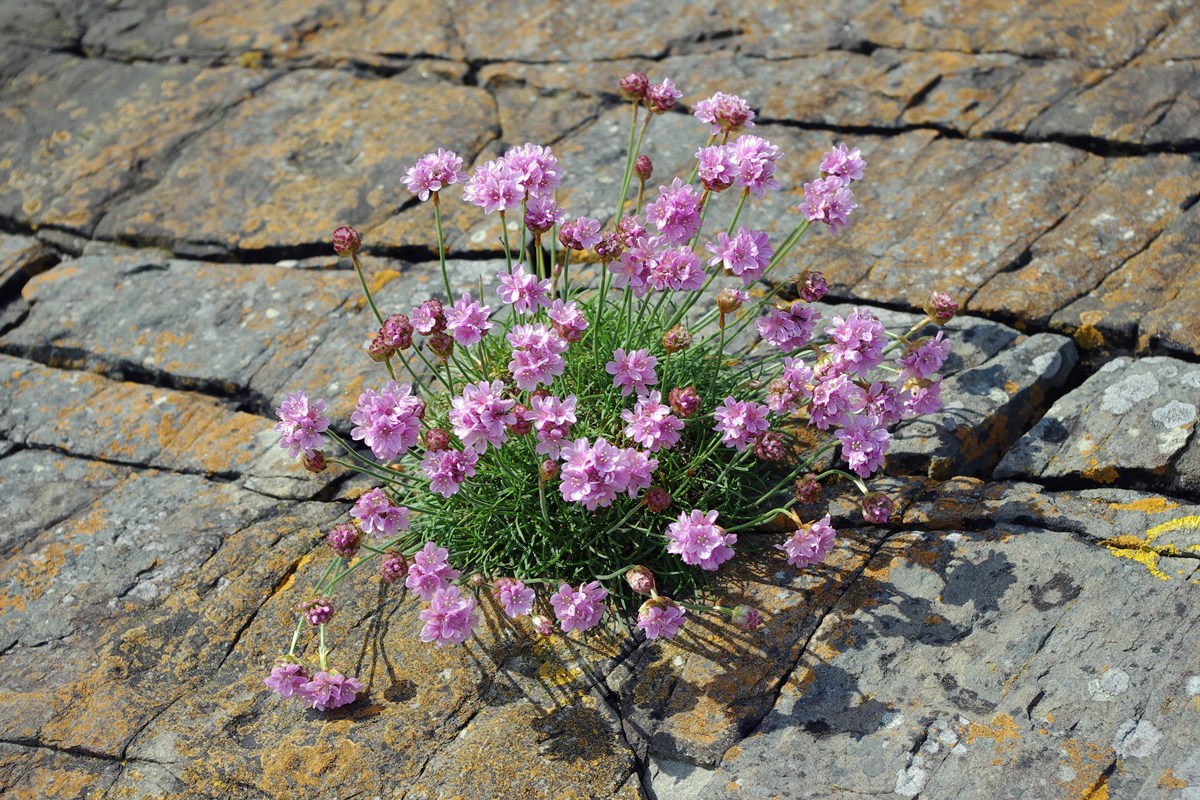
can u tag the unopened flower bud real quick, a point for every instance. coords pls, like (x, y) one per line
(609, 248)
(684, 401)
(941, 307)
(393, 567)
(812, 286)
(770, 447)
(644, 168)
(441, 344)
(436, 439)
(314, 461)
(547, 470)
(661, 97)
(396, 332)
(877, 507)
(346, 241)
(379, 350)
(634, 85)
(677, 339)
(476, 581)
(746, 617)
(317, 611)
(730, 300)
(343, 539)
(543, 626)
(641, 580)
(658, 499)
(808, 489)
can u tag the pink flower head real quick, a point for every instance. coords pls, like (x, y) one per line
(925, 359)
(676, 213)
(429, 570)
(724, 112)
(830, 201)
(542, 213)
(858, 342)
(346, 241)
(812, 287)
(651, 424)
(941, 307)
(746, 255)
(594, 474)
(377, 515)
(581, 234)
(634, 266)
(301, 422)
(715, 167)
(537, 355)
(844, 163)
(881, 399)
(522, 290)
(468, 321)
(344, 539)
(698, 540)
(746, 618)
(579, 609)
(677, 269)
(864, 443)
(810, 544)
(514, 597)
(634, 86)
(388, 421)
(494, 186)
(785, 392)
(569, 321)
(685, 401)
(834, 397)
(632, 371)
(755, 159)
(450, 618)
(659, 616)
(429, 317)
(317, 610)
(630, 229)
(877, 508)
(662, 97)
(287, 678)
(481, 415)
(740, 422)
(329, 690)
(790, 328)
(922, 397)
(447, 469)
(552, 420)
(536, 168)
(433, 172)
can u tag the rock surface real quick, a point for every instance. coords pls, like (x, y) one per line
(169, 177)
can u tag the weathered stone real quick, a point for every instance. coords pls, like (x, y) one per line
(228, 329)
(131, 423)
(1011, 662)
(1131, 420)
(20, 259)
(1148, 303)
(86, 133)
(1091, 240)
(310, 152)
(29, 772)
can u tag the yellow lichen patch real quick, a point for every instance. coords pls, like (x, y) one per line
(334, 759)
(1136, 549)
(558, 674)
(1169, 781)
(1106, 474)
(1086, 763)
(1002, 731)
(1191, 523)
(287, 584)
(48, 784)
(1087, 335)
(1147, 505)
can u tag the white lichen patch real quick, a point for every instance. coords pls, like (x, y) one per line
(1046, 364)
(1137, 739)
(1123, 395)
(1105, 688)
(910, 781)
(1193, 685)
(1177, 420)
(1191, 379)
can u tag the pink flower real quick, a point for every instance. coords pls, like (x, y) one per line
(651, 424)
(858, 342)
(845, 163)
(755, 159)
(634, 266)
(376, 513)
(494, 186)
(582, 234)
(922, 397)
(447, 469)
(829, 201)
(552, 421)
(659, 616)
(468, 321)
(301, 422)
(433, 172)
(523, 291)
(429, 317)
(715, 167)
(740, 421)
(542, 213)
(450, 618)
(514, 597)
(481, 415)
(632, 371)
(864, 443)
(330, 690)
(924, 359)
(834, 396)
(594, 474)
(429, 570)
(536, 167)
(569, 322)
(677, 269)
(877, 508)
(389, 422)
(724, 112)
(579, 609)
(344, 539)
(537, 355)
(287, 678)
(788, 329)
(810, 544)
(661, 97)
(746, 255)
(699, 541)
(676, 213)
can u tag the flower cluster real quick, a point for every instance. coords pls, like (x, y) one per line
(550, 433)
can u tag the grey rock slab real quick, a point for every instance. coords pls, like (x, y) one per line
(985, 409)
(1131, 420)
(225, 328)
(1017, 662)
(22, 257)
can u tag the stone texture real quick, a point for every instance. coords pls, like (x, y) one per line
(1132, 420)
(20, 259)
(312, 151)
(86, 133)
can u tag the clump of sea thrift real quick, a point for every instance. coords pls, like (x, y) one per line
(590, 452)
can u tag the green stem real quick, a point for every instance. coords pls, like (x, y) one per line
(437, 219)
(366, 290)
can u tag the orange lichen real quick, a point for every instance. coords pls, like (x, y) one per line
(1169, 781)
(1002, 731)
(1087, 763)
(1147, 505)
